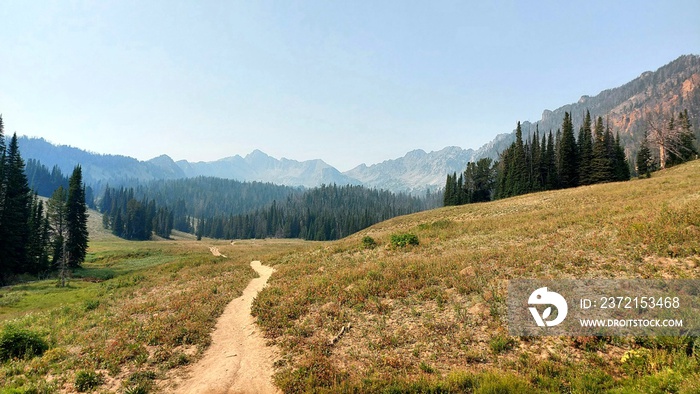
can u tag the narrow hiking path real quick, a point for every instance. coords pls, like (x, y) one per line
(238, 361)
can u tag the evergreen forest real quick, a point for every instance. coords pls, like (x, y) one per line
(38, 238)
(228, 209)
(565, 159)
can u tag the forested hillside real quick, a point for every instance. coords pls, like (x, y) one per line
(322, 213)
(221, 208)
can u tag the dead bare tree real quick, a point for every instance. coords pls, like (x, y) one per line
(664, 133)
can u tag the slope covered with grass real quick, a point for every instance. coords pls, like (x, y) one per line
(433, 316)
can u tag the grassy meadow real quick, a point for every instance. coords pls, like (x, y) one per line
(431, 317)
(135, 311)
(361, 315)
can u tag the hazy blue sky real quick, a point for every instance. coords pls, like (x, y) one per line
(345, 81)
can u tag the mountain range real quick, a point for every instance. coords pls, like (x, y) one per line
(672, 88)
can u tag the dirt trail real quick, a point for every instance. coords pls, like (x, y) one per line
(215, 251)
(238, 361)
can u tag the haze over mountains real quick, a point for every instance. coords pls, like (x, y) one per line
(672, 88)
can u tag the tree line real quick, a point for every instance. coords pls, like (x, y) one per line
(323, 213)
(35, 239)
(564, 160)
(161, 206)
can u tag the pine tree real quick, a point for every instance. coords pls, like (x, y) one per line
(600, 165)
(644, 159)
(585, 141)
(520, 183)
(37, 247)
(535, 161)
(76, 219)
(480, 180)
(550, 165)
(621, 165)
(504, 169)
(569, 161)
(57, 215)
(17, 199)
(449, 194)
(118, 225)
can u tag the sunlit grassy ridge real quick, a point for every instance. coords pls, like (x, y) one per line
(135, 311)
(432, 316)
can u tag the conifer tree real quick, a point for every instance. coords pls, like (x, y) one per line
(550, 165)
(16, 205)
(621, 167)
(600, 165)
(684, 148)
(520, 184)
(585, 141)
(76, 219)
(569, 163)
(501, 171)
(449, 194)
(644, 159)
(57, 215)
(535, 161)
(37, 247)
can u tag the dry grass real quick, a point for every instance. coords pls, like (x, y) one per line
(422, 313)
(136, 309)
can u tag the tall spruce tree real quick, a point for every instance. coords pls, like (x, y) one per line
(37, 248)
(585, 142)
(535, 156)
(601, 164)
(449, 196)
(15, 211)
(520, 183)
(76, 219)
(569, 161)
(56, 209)
(550, 165)
(621, 167)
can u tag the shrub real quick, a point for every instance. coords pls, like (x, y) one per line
(369, 242)
(87, 380)
(426, 367)
(404, 239)
(501, 343)
(20, 343)
(90, 305)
